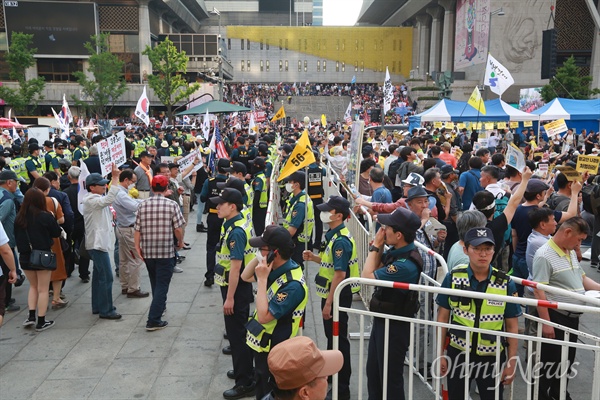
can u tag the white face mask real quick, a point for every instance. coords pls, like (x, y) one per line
(325, 217)
(289, 187)
(131, 186)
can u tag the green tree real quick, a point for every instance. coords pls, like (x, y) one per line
(108, 84)
(20, 57)
(168, 81)
(568, 83)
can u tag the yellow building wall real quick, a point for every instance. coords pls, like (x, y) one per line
(375, 48)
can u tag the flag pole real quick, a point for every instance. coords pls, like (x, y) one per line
(306, 216)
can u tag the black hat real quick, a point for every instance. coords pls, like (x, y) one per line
(416, 192)
(238, 167)
(536, 186)
(477, 236)
(145, 154)
(228, 195)
(297, 176)
(7, 174)
(263, 148)
(33, 140)
(287, 148)
(234, 183)
(273, 236)
(447, 170)
(223, 163)
(258, 163)
(95, 179)
(48, 143)
(336, 203)
(401, 218)
(33, 147)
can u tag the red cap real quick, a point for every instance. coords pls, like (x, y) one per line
(160, 180)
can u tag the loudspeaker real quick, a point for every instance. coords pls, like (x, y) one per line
(549, 54)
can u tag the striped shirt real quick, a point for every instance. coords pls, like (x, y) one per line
(554, 267)
(156, 220)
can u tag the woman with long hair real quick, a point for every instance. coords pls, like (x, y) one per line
(60, 273)
(35, 229)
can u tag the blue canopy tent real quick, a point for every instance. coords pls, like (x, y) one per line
(578, 114)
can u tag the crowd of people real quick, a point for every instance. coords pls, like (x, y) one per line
(488, 219)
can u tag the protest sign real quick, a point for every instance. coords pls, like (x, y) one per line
(588, 163)
(111, 151)
(571, 174)
(437, 125)
(515, 158)
(513, 124)
(461, 125)
(188, 160)
(543, 168)
(489, 126)
(354, 152)
(556, 127)
(527, 124)
(167, 159)
(449, 125)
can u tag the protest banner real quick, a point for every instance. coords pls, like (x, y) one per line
(527, 124)
(489, 126)
(449, 125)
(570, 172)
(461, 125)
(515, 158)
(167, 159)
(543, 168)
(437, 125)
(112, 151)
(188, 160)
(354, 153)
(513, 124)
(555, 127)
(588, 163)
(501, 125)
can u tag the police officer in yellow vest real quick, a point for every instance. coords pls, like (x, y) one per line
(492, 315)
(35, 165)
(17, 164)
(81, 152)
(175, 150)
(295, 213)
(240, 186)
(138, 146)
(239, 171)
(339, 260)
(49, 154)
(280, 299)
(233, 255)
(260, 189)
(402, 263)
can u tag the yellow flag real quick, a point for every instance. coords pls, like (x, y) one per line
(301, 157)
(280, 115)
(476, 101)
(323, 120)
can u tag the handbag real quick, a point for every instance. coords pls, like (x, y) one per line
(43, 259)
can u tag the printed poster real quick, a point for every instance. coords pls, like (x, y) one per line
(471, 37)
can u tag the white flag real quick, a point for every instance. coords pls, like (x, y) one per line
(252, 128)
(66, 113)
(142, 108)
(206, 126)
(348, 114)
(497, 76)
(388, 92)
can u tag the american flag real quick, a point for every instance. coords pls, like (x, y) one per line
(217, 148)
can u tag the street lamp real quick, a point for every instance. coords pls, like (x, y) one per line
(219, 56)
(499, 12)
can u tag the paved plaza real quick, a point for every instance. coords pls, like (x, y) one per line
(84, 357)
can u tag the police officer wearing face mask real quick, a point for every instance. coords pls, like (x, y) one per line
(295, 212)
(339, 260)
(174, 149)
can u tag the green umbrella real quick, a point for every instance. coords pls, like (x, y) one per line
(214, 107)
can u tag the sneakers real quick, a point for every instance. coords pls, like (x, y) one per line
(47, 325)
(177, 270)
(156, 326)
(29, 322)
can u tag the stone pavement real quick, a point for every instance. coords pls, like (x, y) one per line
(84, 357)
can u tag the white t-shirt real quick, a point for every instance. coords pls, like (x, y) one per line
(3, 240)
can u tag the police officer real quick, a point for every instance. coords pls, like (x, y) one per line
(58, 155)
(240, 186)
(338, 260)
(213, 222)
(50, 154)
(402, 263)
(175, 150)
(138, 146)
(316, 193)
(234, 253)
(241, 153)
(295, 213)
(81, 152)
(281, 299)
(260, 190)
(478, 276)
(239, 171)
(35, 166)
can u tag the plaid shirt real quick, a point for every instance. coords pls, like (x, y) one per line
(429, 261)
(156, 220)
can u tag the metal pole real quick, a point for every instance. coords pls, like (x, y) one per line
(220, 63)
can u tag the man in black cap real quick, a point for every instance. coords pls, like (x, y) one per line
(233, 254)
(35, 167)
(240, 186)
(338, 260)
(81, 151)
(402, 263)
(299, 215)
(57, 155)
(478, 276)
(239, 171)
(280, 299)
(49, 154)
(260, 188)
(213, 222)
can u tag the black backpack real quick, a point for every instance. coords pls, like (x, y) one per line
(393, 170)
(590, 196)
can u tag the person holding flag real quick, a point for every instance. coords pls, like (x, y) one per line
(279, 115)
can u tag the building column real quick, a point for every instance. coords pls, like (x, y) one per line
(144, 39)
(415, 47)
(435, 48)
(447, 59)
(595, 62)
(424, 38)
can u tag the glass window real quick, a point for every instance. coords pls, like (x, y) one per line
(268, 65)
(248, 65)
(248, 44)
(286, 65)
(228, 44)
(261, 66)
(242, 43)
(343, 66)
(324, 66)
(318, 65)
(337, 66)
(362, 66)
(267, 44)
(305, 66)
(280, 66)
(261, 44)
(355, 66)
(243, 65)
(299, 66)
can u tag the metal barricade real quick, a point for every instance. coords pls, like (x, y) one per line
(436, 388)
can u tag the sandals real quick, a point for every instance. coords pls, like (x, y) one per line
(56, 305)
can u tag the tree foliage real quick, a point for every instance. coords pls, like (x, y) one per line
(20, 57)
(568, 83)
(167, 80)
(107, 84)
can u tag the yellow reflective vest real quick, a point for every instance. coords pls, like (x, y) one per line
(326, 271)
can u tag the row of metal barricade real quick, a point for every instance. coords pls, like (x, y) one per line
(425, 331)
